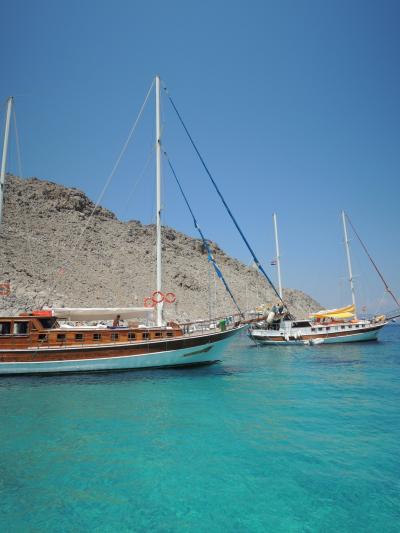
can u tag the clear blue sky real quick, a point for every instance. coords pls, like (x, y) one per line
(294, 105)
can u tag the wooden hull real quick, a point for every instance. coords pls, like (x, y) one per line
(185, 351)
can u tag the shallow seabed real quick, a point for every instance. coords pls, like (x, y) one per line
(271, 439)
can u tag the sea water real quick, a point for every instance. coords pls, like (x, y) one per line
(281, 439)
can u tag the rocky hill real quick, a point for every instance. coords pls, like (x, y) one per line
(53, 254)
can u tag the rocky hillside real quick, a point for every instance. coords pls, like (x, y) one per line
(52, 255)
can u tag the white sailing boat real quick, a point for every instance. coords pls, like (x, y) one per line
(326, 326)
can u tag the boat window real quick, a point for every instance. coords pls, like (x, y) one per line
(158, 334)
(5, 328)
(43, 337)
(301, 324)
(114, 336)
(48, 323)
(328, 328)
(21, 328)
(145, 335)
(96, 336)
(61, 336)
(131, 336)
(79, 336)
(170, 334)
(350, 326)
(343, 327)
(319, 329)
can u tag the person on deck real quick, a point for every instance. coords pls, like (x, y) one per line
(116, 321)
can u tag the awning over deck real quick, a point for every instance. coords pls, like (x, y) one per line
(343, 312)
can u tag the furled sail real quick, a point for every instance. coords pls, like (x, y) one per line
(101, 313)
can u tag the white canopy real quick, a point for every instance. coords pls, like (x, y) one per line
(101, 313)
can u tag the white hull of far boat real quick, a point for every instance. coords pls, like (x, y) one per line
(264, 337)
(196, 355)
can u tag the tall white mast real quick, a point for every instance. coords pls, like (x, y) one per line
(158, 207)
(346, 242)
(278, 257)
(4, 156)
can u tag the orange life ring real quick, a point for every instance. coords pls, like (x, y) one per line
(170, 298)
(157, 297)
(148, 302)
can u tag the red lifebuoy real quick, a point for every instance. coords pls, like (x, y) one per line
(170, 298)
(157, 297)
(148, 302)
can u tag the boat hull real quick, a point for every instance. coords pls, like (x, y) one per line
(193, 352)
(362, 336)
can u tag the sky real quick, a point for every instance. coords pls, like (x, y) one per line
(294, 105)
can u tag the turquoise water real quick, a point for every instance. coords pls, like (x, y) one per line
(271, 439)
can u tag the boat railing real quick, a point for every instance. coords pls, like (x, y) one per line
(220, 323)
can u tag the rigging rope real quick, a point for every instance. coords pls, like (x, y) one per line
(139, 179)
(373, 262)
(205, 242)
(76, 246)
(110, 177)
(256, 261)
(19, 164)
(393, 314)
(380, 303)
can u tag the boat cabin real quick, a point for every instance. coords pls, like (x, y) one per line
(31, 330)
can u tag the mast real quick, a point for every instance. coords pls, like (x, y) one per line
(4, 156)
(278, 257)
(346, 242)
(159, 319)
(209, 293)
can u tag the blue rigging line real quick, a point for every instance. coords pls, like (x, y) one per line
(256, 261)
(205, 242)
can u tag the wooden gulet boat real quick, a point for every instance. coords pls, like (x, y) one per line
(37, 342)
